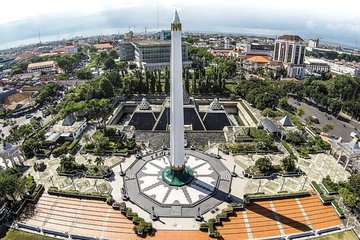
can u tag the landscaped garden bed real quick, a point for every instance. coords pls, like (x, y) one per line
(327, 200)
(264, 168)
(68, 167)
(330, 187)
(284, 194)
(104, 144)
(106, 197)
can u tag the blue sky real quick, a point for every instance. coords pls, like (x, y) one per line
(332, 21)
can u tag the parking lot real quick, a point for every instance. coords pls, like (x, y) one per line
(23, 120)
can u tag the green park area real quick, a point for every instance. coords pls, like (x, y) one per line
(12, 234)
(345, 235)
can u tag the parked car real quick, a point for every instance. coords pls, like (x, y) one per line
(29, 115)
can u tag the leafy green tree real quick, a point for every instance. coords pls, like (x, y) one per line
(84, 73)
(300, 112)
(288, 163)
(327, 128)
(348, 197)
(68, 63)
(113, 54)
(295, 137)
(354, 184)
(11, 185)
(158, 83)
(99, 161)
(106, 87)
(109, 64)
(194, 84)
(152, 83)
(283, 103)
(264, 165)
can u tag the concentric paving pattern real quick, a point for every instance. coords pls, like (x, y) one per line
(152, 185)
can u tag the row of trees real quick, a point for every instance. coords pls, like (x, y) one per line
(262, 93)
(332, 55)
(336, 94)
(264, 164)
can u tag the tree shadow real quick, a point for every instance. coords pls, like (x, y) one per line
(28, 212)
(266, 212)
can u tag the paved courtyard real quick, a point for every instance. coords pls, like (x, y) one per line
(50, 178)
(316, 168)
(146, 188)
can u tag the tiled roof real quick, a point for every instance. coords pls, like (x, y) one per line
(294, 38)
(40, 64)
(103, 46)
(258, 59)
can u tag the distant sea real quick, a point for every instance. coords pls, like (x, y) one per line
(62, 36)
(109, 31)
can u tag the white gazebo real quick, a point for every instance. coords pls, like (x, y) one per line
(347, 153)
(10, 155)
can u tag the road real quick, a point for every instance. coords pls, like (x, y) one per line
(22, 120)
(341, 128)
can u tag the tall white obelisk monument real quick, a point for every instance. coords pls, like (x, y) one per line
(176, 99)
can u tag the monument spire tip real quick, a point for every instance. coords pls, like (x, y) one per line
(176, 17)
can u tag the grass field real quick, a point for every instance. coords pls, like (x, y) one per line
(345, 235)
(11, 234)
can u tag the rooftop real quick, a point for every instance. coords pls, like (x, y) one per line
(294, 38)
(41, 64)
(103, 46)
(258, 59)
(152, 42)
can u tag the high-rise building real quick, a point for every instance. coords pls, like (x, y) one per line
(151, 54)
(313, 43)
(290, 50)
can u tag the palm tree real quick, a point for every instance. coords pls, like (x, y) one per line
(88, 160)
(99, 161)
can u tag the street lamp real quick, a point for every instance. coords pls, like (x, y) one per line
(306, 178)
(122, 173)
(96, 185)
(51, 179)
(72, 180)
(282, 184)
(259, 186)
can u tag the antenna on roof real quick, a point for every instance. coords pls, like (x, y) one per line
(157, 17)
(39, 35)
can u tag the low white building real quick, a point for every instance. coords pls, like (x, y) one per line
(69, 129)
(315, 65)
(47, 66)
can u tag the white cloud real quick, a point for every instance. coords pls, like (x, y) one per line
(308, 17)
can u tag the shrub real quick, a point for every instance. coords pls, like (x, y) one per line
(330, 186)
(264, 165)
(73, 144)
(288, 163)
(295, 137)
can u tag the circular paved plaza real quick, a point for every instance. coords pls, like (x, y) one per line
(208, 188)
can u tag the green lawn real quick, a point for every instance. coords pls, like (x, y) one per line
(11, 234)
(345, 235)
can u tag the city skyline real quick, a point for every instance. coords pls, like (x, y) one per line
(330, 22)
